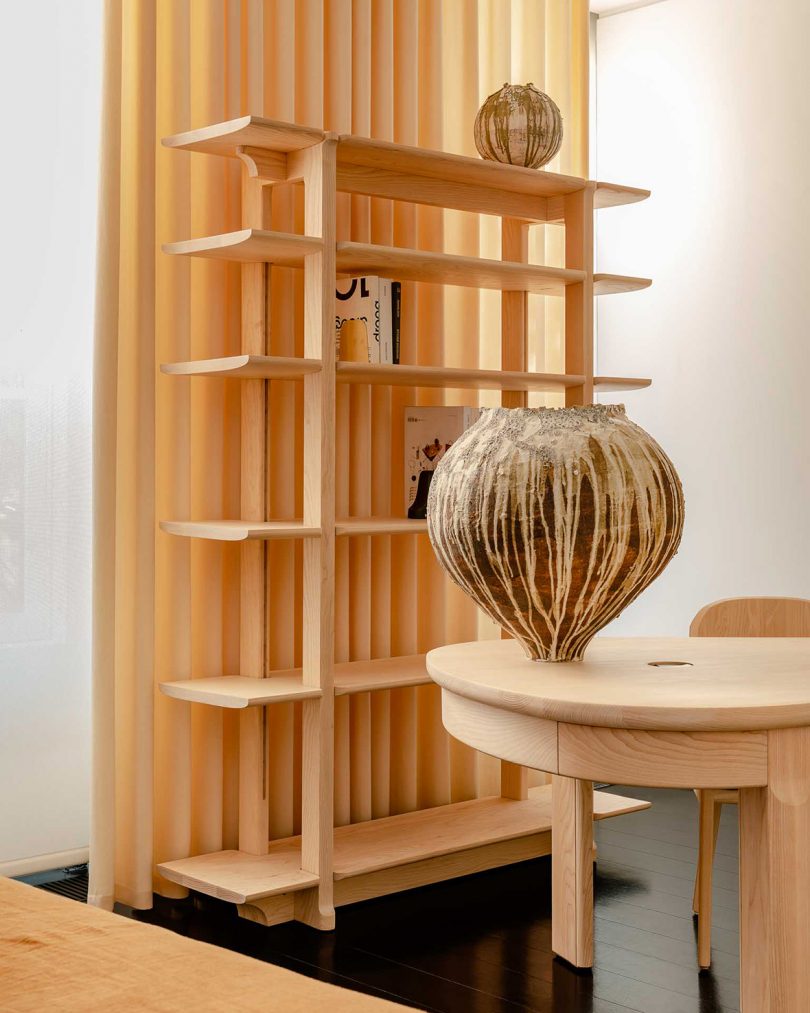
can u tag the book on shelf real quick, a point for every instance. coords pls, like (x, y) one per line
(430, 431)
(368, 319)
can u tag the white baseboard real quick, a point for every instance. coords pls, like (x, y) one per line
(43, 863)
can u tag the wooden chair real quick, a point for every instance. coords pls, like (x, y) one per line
(733, 617)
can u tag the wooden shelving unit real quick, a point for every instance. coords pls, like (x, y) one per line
(306, 877)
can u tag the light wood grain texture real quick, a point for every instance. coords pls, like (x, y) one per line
(606, 805)
(615, 284)
(269, 911)
(383, 673)
(735, 617)
(610, 195)
(449, 269)
(446, 193)
(239, 877)
(428, 833)
(349, 677)
(709, 826)
(276, 367)
(239, 531)
(263, 164)
(519, 738)
(753, 617)
(264, 367)
(578, 213)
(613, 384)
(787, 814)
(253, 740)
(416, 165)
(436, 870)
(239, 691)
(729, 684)
(755, 899)
(249, 246)
(572, 870)
(379, 526)
(453, 377)
(317, 167)
(255, 131)
(663, 759)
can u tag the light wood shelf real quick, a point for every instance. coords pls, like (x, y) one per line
(240, 877)
(239, 531)
(419, 840)
(616, 384)
(249, 246)
(379, 526)
(242, 531)
(274, 367)
(402, 172)
(450, 377)
(615, 284)
(248, 367)
(236, 692)
(448, 269)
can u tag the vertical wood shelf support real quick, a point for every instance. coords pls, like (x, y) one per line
(578, 212)
(317, 166)
(514, 356)
(253, 741)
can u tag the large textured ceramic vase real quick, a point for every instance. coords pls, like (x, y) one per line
(554, 519)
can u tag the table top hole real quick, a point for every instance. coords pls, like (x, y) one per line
(670, 664)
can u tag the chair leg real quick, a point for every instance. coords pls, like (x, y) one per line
(709, 821)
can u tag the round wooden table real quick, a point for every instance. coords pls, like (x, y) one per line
(672, 713)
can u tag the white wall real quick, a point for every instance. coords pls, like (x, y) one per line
(708, 105)
(50, 71)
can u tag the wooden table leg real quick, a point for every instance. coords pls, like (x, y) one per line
(572, 870)
(775, 880)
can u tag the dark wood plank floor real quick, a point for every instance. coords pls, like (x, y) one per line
(483, 944)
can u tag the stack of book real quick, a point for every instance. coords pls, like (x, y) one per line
(368, 312)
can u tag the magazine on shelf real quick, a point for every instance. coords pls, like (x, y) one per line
(430, 431)
(367, 319)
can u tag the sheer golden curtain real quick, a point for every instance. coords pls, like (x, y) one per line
(413, 71)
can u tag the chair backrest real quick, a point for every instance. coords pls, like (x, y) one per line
(753, 617)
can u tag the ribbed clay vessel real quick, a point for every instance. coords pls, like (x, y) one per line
(554, 519)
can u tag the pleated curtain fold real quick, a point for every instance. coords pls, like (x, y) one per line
(412, 71)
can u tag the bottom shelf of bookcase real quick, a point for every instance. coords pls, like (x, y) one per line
(395, 853)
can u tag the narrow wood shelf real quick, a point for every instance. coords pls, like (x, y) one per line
(374, 846)
(447, 269)
(248, 131)
(262, 367)
(613, 284)
(239, 531)
(606, 384)
(240, 878)
(234, 692)
(364, 848)
(403, 172)
(384, 673)
(379, 526)
(611, 195)
(453, 377)
(250, 246)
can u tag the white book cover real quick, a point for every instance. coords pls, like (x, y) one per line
(359, 299)
(430, 431)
